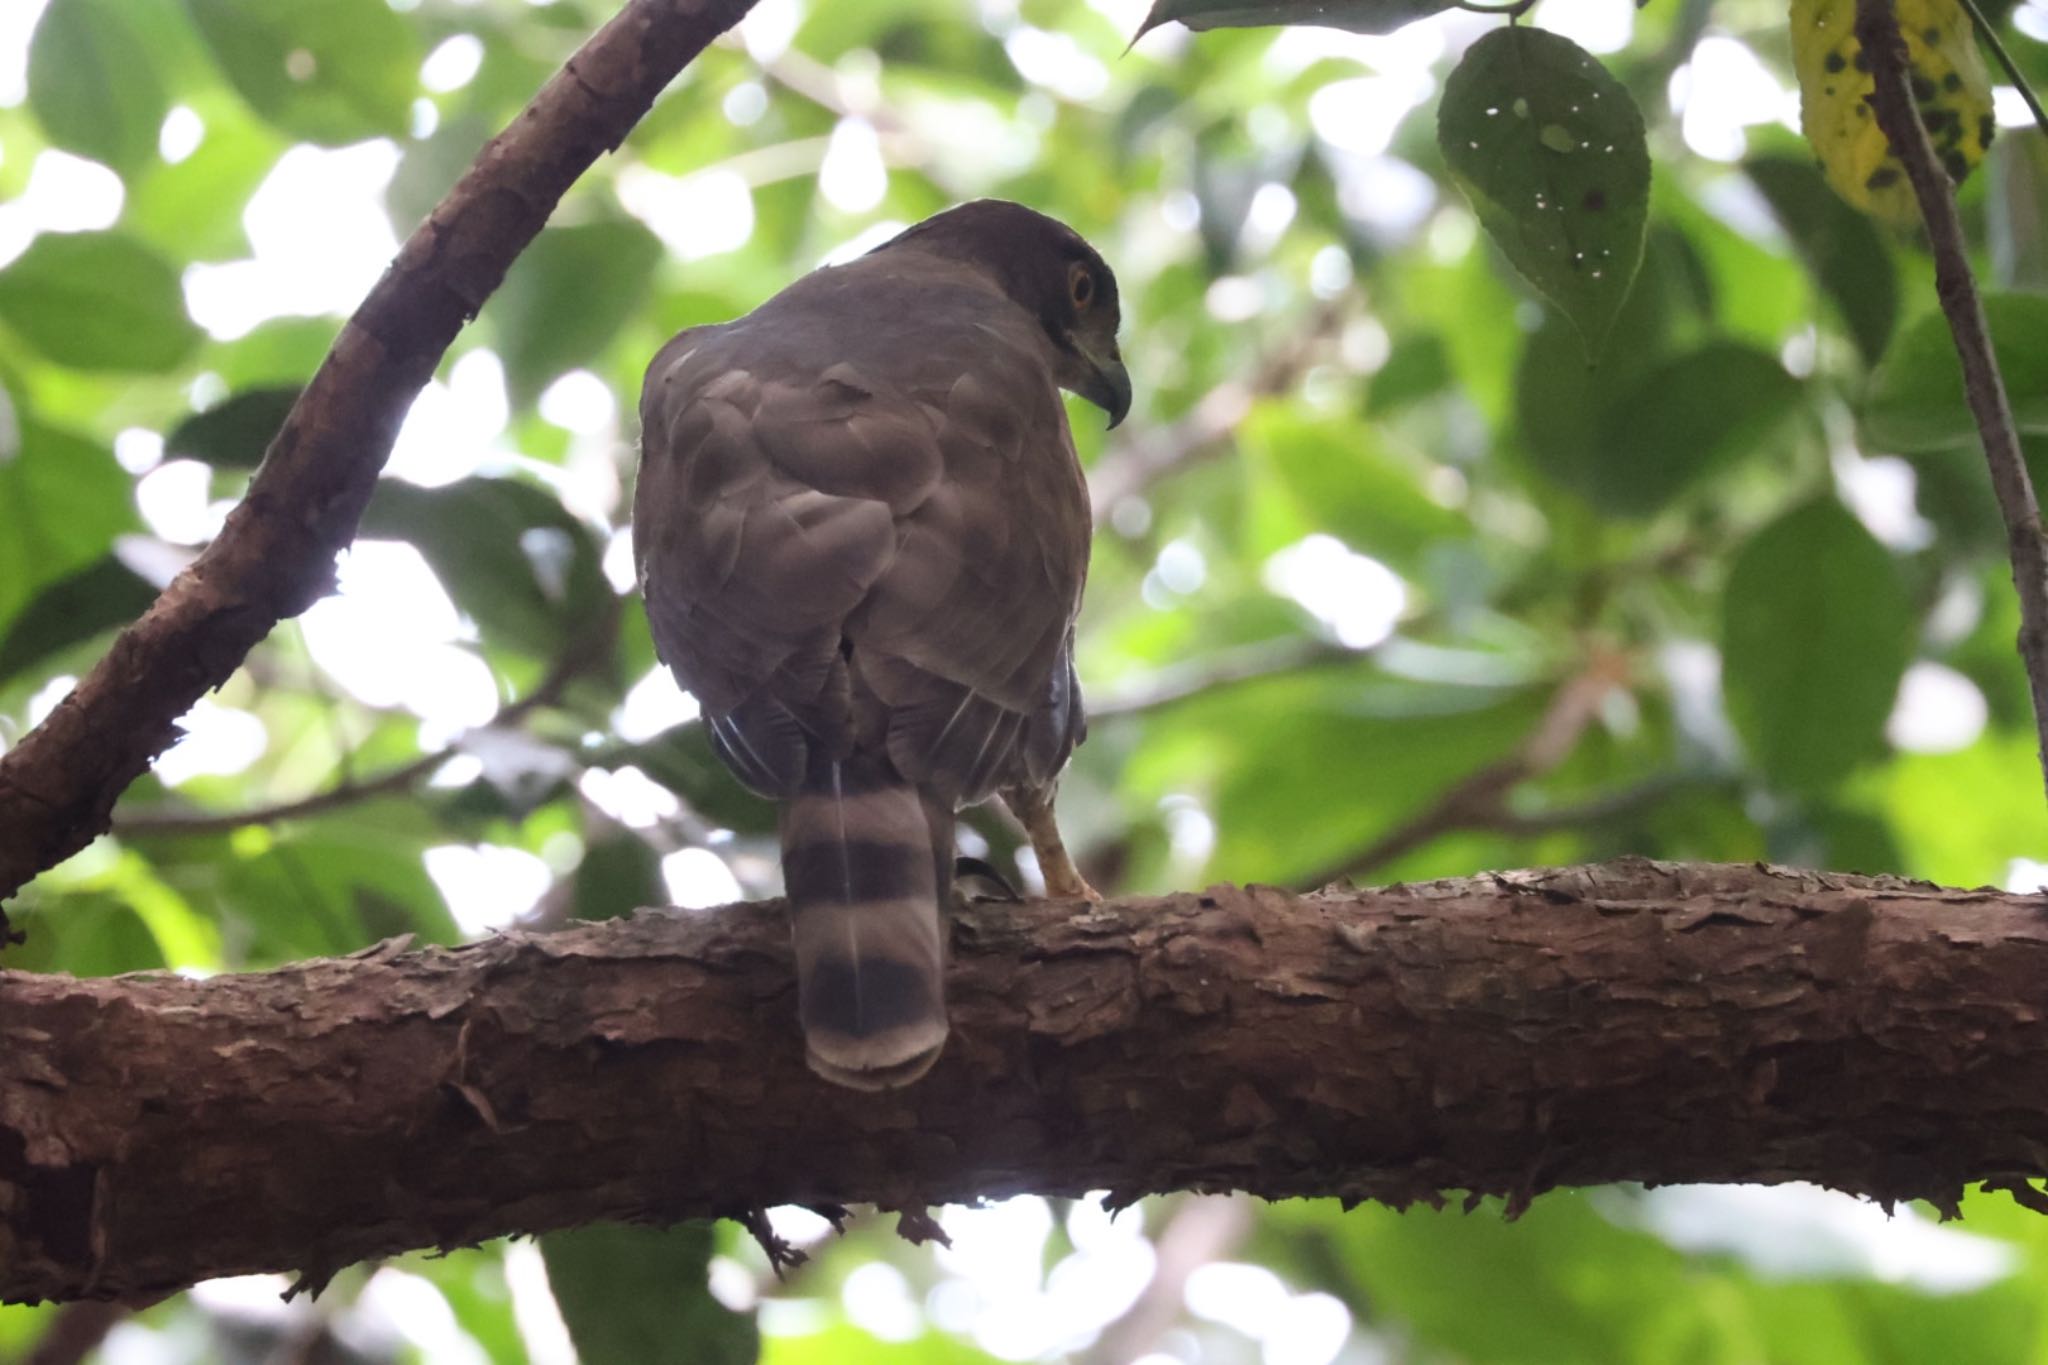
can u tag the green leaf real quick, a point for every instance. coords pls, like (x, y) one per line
(1356, 16)
(93, 83)
(63, 500)
(97, 301)
(73, 609)
(233, 433)
(329, 71)
(1341, 480)
(1816, 630)
(619, 874)
(1843, 248)
(1916, 397)
(635, 1295)
(1683, 420)
(567, 296)
(1418, 367)
(1549, 148)
(514, 560)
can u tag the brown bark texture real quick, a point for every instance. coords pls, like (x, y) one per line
(276, 554)
(1502, 1034)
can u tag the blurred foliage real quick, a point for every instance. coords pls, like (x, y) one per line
(1374, 511)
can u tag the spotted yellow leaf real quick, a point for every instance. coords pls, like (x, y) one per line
(1950, 84)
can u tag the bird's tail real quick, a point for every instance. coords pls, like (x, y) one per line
(867, 859)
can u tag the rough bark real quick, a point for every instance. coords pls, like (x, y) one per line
(1503, 1034)
(276, 554)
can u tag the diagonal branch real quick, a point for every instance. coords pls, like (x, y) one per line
(1504, 1034)
(276, 553)
(1877, 29)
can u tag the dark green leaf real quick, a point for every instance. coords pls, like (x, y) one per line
(233, 433)
(93, 84)
(1816, 630)
(1549, 148)
(1681, 421)
(329, 71)
(1916, 397)
(1418, 367)
(514, 560)
(618, 875)
(636, 1295)
(97, 301)
(1358, 16)
(71, 610)
(568, 295)
(1843, 248)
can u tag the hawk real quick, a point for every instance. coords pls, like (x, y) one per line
(861, 533)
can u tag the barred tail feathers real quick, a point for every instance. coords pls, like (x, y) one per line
(866, 859)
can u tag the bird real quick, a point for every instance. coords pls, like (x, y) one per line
(861, 533)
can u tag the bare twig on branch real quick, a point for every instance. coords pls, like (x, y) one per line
(1501, 1034)
(1203, 1229)
(1877, 29)
(1205, 432)
(1224, 668)
(276, 553)
(76, 1332)
(1480, 800)
(587, 648)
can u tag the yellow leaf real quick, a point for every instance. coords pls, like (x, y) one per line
(1950, 84)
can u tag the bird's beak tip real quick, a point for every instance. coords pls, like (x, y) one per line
(1114, 390)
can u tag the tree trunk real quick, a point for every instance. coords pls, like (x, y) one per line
(1497, 1034)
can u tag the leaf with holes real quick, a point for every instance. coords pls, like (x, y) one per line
(1358, 16)
(1549, 148)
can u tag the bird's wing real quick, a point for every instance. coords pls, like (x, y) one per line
(967, 636)
(914, 505)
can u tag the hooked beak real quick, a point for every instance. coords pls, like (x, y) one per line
(1109, 385)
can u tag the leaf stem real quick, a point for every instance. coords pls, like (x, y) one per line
(2012, 68)
(1891, 101)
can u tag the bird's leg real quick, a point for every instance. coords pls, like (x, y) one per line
(1033, 808)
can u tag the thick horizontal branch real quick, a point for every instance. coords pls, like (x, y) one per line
(276, 554)
(1501, 1034)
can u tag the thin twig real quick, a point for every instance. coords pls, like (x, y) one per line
(2012, 68)
(1481, 799)
(581, 652)
(1877, 29)
(1225, 668)
(1202, 1230)
(1205, 432)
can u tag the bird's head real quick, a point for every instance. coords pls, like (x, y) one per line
(1052, 273)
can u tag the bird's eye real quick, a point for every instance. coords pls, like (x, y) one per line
(1082, 286)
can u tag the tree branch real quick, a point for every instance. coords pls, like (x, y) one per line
(586, 648)
(1500, 1034)
(1891, 100)
(276, 554)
